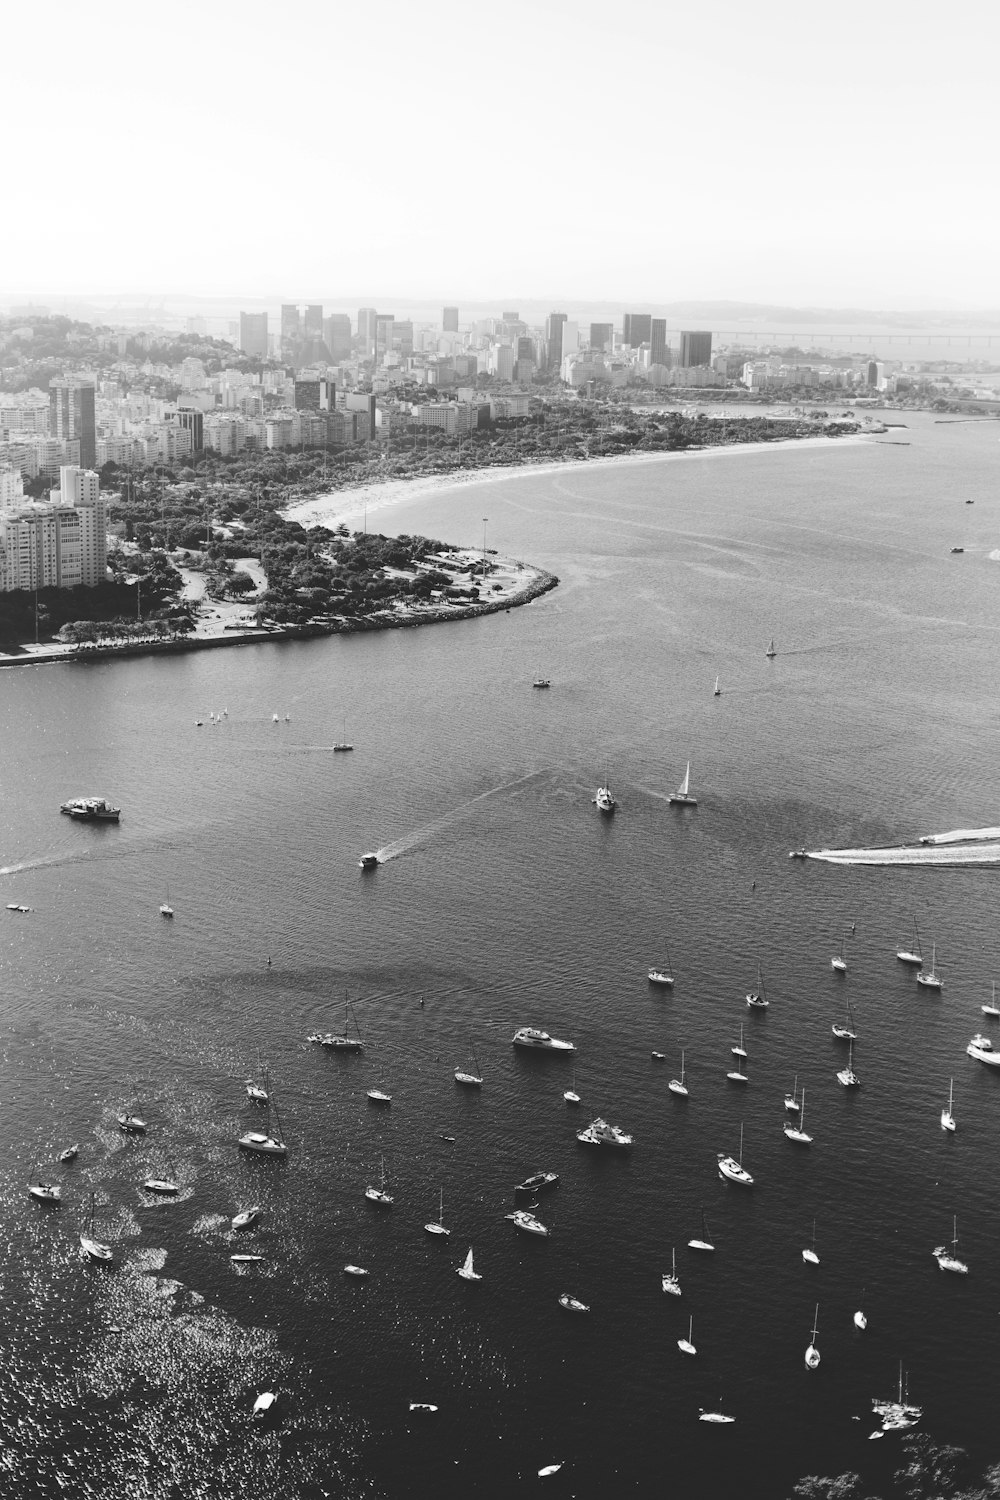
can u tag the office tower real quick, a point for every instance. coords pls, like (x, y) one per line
(658, 351)
(289, 323)
(306, 395)
(327, 394)
(636, 329)
(312, 322)
(602, 336)
(874, 371)
(192, 419)
(366, 330)
(253, 334)
(511, 317)
(383, 335)
(71, 415)
(696, 349)
(449, 322)
(554, 338)
(337, 336)
(402, 336)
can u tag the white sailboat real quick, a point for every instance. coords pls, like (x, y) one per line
(947, 1117)
(771, 651)
(685, 1345)
(471, 1077)
(604, 798)
(860, 1318)
(732, 1168)
(839, 963)
(992, 1009)
(379, 1195)
(671, 1282)
(844, 1030)
(439, 1227)
(738, 1073)
(166, 910)
(571, 1096)
(792, 1099)
(682, 797)
(717, 691)
(812, 1353)
(794, 1131)
(266, 1142)
(704, 1243)
(757, 998)
(343, 743)
(948, 1260)
(912, 955)
(662, 977)
(466, 1269)
(92, 1247)
(739, 1051)
(847, 1076)
(929, 978)
(678, 1085)
(809, 1256)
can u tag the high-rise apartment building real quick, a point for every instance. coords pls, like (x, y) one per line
(636, 329)
(659, 353)
(253, 334)
(337, 336)
(71, 415)
(58, 545)
(602, 336)
(554, 338)
(449, 321)
(696, 349)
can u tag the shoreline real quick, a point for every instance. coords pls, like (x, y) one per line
(338, 506)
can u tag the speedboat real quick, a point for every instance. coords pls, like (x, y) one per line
(263, 1405)
(541, 682)
(245, 1218)
(537, 1181)
(131, 1124)
(162, 1185)
(70, 1154)
(600, 1133)
(45, 1192)
(262, 1143)
(526, 1223)
(530, 1036)
(368, 861)
(572, 1304)
(983, 1054)
(355, 1271)
(714, 1416)
(91, 810)
(605, 800)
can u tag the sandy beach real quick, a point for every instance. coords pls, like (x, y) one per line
(351, 506)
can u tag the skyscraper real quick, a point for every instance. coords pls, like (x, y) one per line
(366, 330)
(602, 336)
(658, 351)
(289, 324)
(253, 334)
(636, 328)
(312, 323)
(71, 415)
(383, 335)
(554, 337)
(337, 336)
(449, 322)
(696, 349)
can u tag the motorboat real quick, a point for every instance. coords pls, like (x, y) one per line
(929, 978)
(572, 1304)
(537, 1182)
(466, 1270)
(438, 1227)
(245, 1218)
(678, 1085)
(605, 800)
(682, 797)
(812, 1353)
(355, 1271)
(45, 1192)
(379, 1096)
(541, 682)
(948, 1260)
(379, 1195)
(526, 1222)
(130, 1124)
(794, 1130)
(669, 1281)
(714, 1416)
(264, 1405)
(17, 906)
(422, 1406)
(686, 1346)
(947, 1116)
(733, 1169)
(600, 1133)
(91, 810)
(982, 1054)
(368, 861)
(540, 1041)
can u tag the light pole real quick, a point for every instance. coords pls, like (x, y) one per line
(485, 519)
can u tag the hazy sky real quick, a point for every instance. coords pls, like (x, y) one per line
(578, 149)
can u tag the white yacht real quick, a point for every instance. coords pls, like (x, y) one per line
(378, 1194)
(704, 1243)
(379, 1096)
(573, 1304)
(948, 1260)
(685, 1345)
(526, 1222)
(439, 1227)
(471, 1077)
(812, 1353)
(929, 977)
(45, 1192)
(984, 1054)
(847, 1076)
(540, 1041)
(91, 810)
(947, 1117)
(678, 1085)
(605, 800)
(600, 1133)
(245, 1218)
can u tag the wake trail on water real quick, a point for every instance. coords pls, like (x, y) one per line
(940, 855)
(45, 863)
(427, 831)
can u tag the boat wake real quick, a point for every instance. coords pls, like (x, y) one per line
(438, 825)
(44, 863)
(938, 855)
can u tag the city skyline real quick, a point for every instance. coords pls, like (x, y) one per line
(771, 157)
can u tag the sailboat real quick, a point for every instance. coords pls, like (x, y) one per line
(344, 1042)
(812, 1353)
(379, 1195)
(757, 998)
(949, 1260)
(739, 1051)
(704, 1243)
(379, 1096)
(167, 1187)
(45, 1192)
(771, 649)
(166, 910)
(992, 1009)
(130, 1124)
(266, 1142)
(899, 1413)
(717, 691)
(846, 1031)
(947, 1118)
(839, 963)
(677, 1085)
(794, 1131)
(663, 977)
(438, 1228)
(847, 1076)
(792, 1099)
(809, 1256)
(255, 1092)
(342, 743)
(733, 1168)
(682, 797)
(571, 1096)
(604, 797)
(472, 1077)
(929, 977)
(736, 1074)
(860, 1318)
(466, 1271)
(914, 955)
(685, 1345)
(92, 1248)
(671, 1283)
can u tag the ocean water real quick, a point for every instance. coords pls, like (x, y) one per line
(506, 900)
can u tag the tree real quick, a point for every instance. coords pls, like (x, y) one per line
(843, 1487)
(931, 1470)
